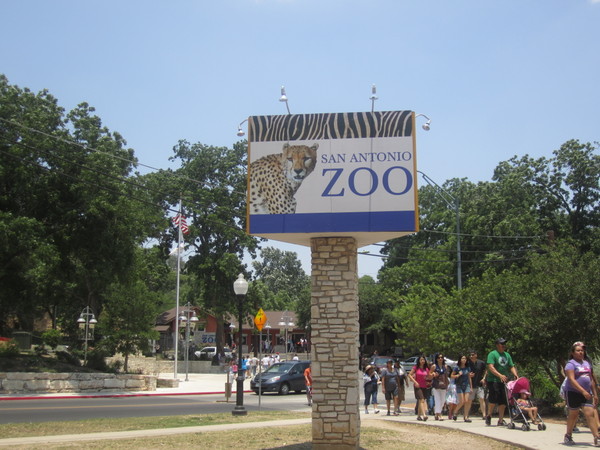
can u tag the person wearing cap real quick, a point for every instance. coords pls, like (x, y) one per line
(371, 385)
(500, 365)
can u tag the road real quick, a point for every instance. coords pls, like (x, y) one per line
(47, 409)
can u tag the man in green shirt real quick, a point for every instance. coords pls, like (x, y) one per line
(500, 366)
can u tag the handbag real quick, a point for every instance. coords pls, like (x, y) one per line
(442, 381)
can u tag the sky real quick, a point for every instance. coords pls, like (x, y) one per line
(497, 79)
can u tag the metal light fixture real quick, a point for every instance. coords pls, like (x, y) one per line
(268, 328)
(87, 321)
(189, 318)
(241, 132)
(373, 97)
(286, 321)
(240, 287)
(426, 125)
(284, 99)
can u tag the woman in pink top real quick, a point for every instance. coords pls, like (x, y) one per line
(420, 377)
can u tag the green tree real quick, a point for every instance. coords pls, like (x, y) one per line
(212, 183)
(65, 187)
(128, 318)
(282, 274)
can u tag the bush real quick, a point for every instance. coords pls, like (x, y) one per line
(116, 366)
(543, 388)
(96, 361)
(51, 338)
(9, 348)
(68, 358)
(40, 350)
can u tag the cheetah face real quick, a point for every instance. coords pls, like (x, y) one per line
(299, 161)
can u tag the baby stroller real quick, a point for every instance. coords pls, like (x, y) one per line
(517, 414)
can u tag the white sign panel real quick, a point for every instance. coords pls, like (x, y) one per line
(347, 174)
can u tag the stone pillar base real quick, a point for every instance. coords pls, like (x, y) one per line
(334, 337)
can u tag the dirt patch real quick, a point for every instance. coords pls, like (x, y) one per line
(420, 436)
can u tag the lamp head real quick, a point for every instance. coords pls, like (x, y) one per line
(373, 93)
(240, 132)
(283, 97)
(427, 125)
(240, 286)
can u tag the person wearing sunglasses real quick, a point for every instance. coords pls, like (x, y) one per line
(440, 372)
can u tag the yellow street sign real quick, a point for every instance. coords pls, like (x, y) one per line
(260, 319)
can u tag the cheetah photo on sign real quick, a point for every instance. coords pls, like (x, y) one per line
(275, 178)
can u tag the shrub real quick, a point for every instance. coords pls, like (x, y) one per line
(544, 388)
(96, 361)
(9, 348)
(40, 350)
(51, 338)
(116, 366)
(68, 358)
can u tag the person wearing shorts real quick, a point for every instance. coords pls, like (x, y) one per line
(478, 379)
(462, 379)
(390, 386)
(499, 366)
(581, 392)
(421, 377)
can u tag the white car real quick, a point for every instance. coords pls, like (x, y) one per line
(209, 352)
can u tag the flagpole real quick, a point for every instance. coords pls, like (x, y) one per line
(179, 239)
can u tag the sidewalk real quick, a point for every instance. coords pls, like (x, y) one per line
(204, 384)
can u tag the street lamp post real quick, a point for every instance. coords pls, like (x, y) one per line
(286, 321)
(189, 318)
(87, 321)
(268, 328)
(240, 287)
(453, 203)
(231, 328)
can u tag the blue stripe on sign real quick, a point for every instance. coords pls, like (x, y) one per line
(333, 222)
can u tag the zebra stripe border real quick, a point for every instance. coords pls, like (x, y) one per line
(308, 127)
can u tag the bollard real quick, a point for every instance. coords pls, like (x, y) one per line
(227, 391)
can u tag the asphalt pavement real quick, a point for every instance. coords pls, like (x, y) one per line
(203, 384)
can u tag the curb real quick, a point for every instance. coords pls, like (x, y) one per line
(142, 394)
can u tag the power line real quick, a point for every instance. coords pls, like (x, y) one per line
(188, 200)
(100, 186)
(442, 260)
(441, 250)
(486, 236)
(86, 147)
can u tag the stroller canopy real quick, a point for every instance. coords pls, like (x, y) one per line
(518, 386)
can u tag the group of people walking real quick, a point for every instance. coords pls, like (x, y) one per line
(435, 385)
(438, 386)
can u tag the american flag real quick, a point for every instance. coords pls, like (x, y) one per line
(180, 221)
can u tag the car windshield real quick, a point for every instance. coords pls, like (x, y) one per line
(381, 360)
(279, 368)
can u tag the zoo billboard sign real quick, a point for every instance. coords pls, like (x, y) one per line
(339, 174)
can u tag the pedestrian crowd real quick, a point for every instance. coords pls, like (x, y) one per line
(440, 389)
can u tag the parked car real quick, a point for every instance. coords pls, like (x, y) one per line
(380, 361)
(207, 353)
(281, 378)
(411, 362)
